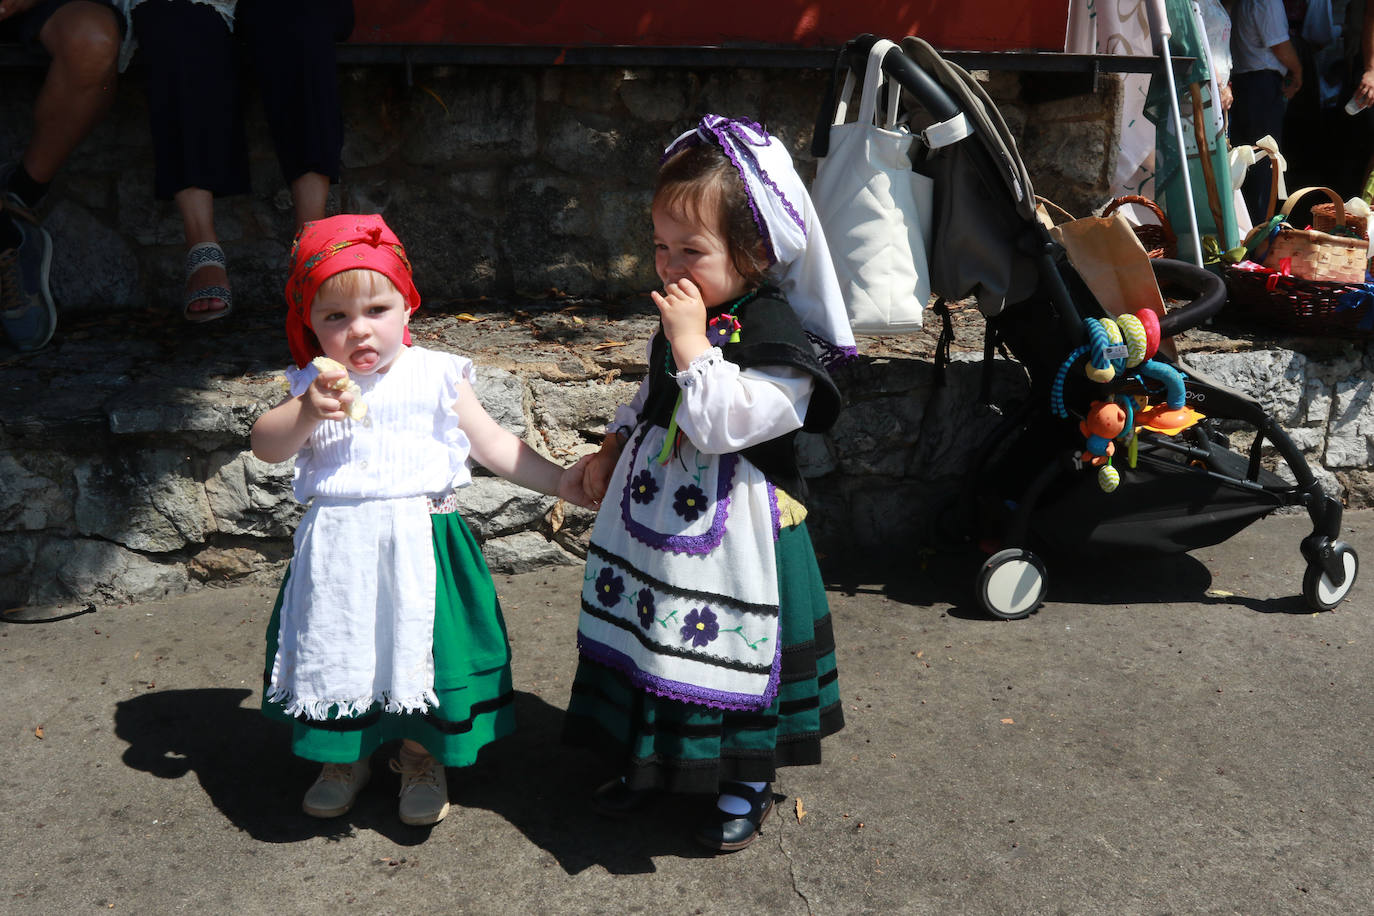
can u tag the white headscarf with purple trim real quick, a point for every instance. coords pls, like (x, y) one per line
(789, 225)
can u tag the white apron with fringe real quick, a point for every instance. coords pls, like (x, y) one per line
(358, 631)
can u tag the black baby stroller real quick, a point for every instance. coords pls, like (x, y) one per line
(1168, 491)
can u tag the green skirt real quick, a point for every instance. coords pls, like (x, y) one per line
(655, 742)
(471, 670)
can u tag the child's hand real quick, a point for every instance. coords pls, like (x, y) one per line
(682, 309)
(600, 466)
(323, 401)
(572, 484)
(684, 320)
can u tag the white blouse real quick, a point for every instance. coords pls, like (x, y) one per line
(725, 408)
(409, 444)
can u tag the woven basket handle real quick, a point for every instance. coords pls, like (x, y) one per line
(1292, 201)
(1147, 204)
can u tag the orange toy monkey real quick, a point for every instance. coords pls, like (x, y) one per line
(1104, 422)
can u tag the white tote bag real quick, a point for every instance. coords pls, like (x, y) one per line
(875, 210)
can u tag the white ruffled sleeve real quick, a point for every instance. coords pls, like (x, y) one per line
(725, 408)
(456, 370)
(298, 380)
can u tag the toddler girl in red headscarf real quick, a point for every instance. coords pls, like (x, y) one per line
(387, 625)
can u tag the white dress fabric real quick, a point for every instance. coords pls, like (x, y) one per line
(357, 616)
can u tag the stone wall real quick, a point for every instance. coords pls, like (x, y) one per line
(134, 481)
(502, 181)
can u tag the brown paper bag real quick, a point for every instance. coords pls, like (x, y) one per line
(1113, 264)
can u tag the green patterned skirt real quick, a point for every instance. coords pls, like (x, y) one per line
(655, 742)
(471, 670)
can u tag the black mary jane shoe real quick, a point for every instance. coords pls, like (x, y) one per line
(616, 799)
(725, 832)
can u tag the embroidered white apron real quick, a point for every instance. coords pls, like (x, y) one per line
(681, 588)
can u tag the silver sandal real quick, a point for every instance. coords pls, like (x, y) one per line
(203, 255)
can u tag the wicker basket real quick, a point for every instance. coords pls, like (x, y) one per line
(1324, 219)
(1297, 306)
(1312, 255)
(1159, 241)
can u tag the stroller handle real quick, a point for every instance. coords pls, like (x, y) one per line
(1207, 290)
(918, 82)
(896, 64)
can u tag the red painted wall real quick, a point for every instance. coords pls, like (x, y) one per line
(963, 25)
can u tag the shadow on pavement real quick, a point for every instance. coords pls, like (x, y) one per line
(950, 577)
(242, 761)
(543, 789)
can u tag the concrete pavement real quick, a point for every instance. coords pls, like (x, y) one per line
(1181, 737)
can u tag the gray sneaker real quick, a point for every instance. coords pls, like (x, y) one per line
(336, 789)
(424, 790)
(26, 307)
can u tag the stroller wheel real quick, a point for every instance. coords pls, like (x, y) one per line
(1317, 588)
(1011, 583)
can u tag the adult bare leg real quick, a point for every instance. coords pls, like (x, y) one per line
(83, 41)
(310, 193)
(197, 207)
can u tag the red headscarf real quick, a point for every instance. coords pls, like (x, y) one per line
(329, 246)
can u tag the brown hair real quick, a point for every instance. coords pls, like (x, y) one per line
(700, 178)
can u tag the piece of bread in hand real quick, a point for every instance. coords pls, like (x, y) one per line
(357, 409)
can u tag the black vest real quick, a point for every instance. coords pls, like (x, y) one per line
(770, 335)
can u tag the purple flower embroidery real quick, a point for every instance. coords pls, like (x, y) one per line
(689, 501)
(609, 587)
(645, 608)
(700, 626)
(643, 488)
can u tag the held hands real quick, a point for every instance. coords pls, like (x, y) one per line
(599, 467)
(572, 484)
(684, 320)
